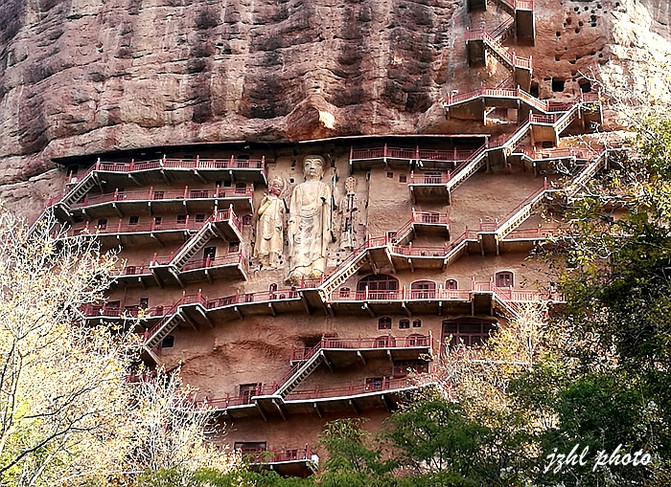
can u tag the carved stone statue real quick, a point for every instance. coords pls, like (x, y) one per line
(270, 227)
(309, 223)
(349, 208)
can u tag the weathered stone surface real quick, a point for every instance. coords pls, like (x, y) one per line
(79, 77)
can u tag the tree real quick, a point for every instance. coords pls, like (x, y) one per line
(67, 414)
(59, 381)
(168, 431)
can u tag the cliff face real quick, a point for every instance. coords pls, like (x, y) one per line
(79, 77)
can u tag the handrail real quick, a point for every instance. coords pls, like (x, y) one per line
(442, 178)
(154, 226)
(509, 56)
(164, 163)
(139, 227)
(386, 152)
(286, 455)
(352, 390)
(386, 341)
(504, 221)
(165, 194)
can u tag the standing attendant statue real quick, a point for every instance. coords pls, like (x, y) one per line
(270, 227)
(309, 223)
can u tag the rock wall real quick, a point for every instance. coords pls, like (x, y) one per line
(80, 77)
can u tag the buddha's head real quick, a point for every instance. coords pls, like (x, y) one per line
(313, 167)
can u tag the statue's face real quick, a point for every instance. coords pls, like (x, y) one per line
(313, 167)
(275, 187)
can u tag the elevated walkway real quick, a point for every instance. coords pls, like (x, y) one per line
(480, 45)
(521, 11)
(366, 158)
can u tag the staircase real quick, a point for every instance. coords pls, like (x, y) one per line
(587, 173)
(347, 270)
(513, 141)
(456, 248)
(512, 309)
(467, 169)
(521, 214)
(163, 328)
(565, 120)
(193, 245)
(507, 6)
(503, 30)
(507, 58)
(80, 189)
(300, 373)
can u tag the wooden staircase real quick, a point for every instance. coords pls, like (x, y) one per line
(163, 328)
(587, 173)
(79, 190)
(186, 252)
(300, 373)
(466, 170)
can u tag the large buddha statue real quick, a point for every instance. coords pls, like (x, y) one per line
(309, 223)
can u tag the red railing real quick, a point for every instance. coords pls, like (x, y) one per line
(523, 4)
(400, 295)
(430, 217)
(540, 232)
(94, 310)
(351, 390)
(166, 194)
(494, 226)
(387, 341)
(539, 118)
(155, 226)
(196, 163)
(428, 179)
(227, 214)
(386, 152)
(510, 293)
(551, 153)
(139, 227)
(414, 251)
(130, 270)
(207, 262)
(280, 456)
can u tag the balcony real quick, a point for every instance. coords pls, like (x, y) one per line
(356, 397)
(165, 201)
(341, 352)
(294, 462)
(366, 158)
(426, 223)
(429, 187)
(145, 173)
(135, 231)
(230, 266)
(97, 313)
(382, 392)
(133, 275)
(401, 301)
